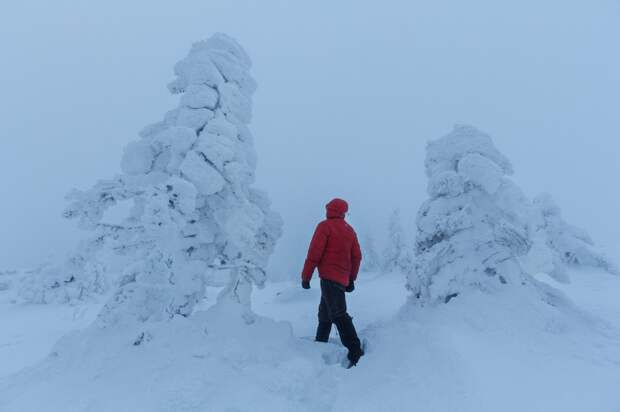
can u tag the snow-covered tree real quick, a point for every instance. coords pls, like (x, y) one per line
(189, 181)
(82, 276)
(564, 245)
(6, 280)
(372, 260)
(397, 255)
(473, 228)
(478, 230)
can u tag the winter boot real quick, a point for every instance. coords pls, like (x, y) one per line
(349, 339)
(323, 331)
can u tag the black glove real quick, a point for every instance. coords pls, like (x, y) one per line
(351, 287)
(305, 284)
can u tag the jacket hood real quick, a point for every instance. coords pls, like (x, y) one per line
(337, 209)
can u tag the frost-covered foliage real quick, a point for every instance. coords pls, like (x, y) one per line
(86, 274)
(7, 279)
(567, 245)
(397, 255)
(78, 278)
(372, 260)
(473, 228)
(189, 181)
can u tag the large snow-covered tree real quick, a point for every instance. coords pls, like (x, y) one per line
(189, 182)
(397, 254)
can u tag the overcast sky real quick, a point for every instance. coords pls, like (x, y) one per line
(349, 94)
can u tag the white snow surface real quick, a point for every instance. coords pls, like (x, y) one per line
(482, 352)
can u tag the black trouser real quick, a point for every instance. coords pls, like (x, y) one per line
(333, 309)
(333, 301)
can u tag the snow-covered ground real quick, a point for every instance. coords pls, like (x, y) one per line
(28, 332)
(463, 357)
(479, 353)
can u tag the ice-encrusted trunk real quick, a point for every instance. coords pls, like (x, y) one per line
(189, 182)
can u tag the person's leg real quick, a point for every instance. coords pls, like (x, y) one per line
(349, 338)
(325, 322)
(335, 300)
(333, 295)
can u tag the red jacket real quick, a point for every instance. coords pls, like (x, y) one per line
(334, 249)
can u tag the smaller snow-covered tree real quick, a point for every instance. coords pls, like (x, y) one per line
(372, 260)
(80, 277)
(478, 231)
(6, 279)
(473, 228)
(397, 256)
(568, 246)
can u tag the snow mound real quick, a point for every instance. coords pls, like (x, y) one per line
(480, 353)
(211, 361)
(483, 352)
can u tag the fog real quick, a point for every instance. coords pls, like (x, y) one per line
(349, 94)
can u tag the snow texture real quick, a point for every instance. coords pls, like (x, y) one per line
(193, 208)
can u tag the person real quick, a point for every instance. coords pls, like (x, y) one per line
(335, 251)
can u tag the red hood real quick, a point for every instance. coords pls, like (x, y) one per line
(337, 209)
